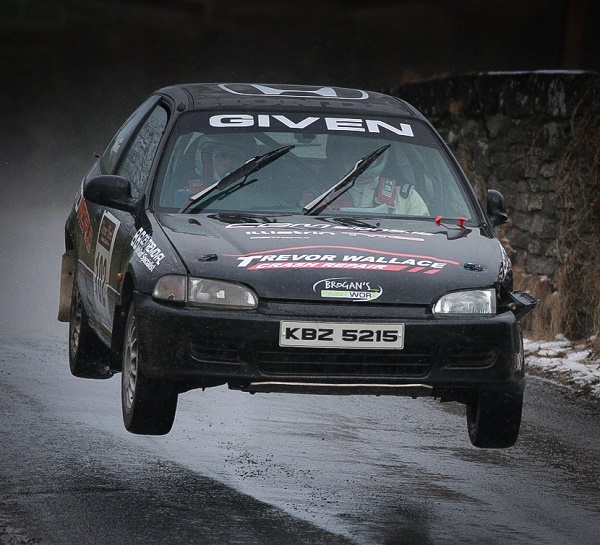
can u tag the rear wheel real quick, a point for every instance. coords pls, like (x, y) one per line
(148, 405)
(88, 356)
(494, 418)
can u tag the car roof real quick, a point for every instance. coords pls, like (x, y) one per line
(285, 97)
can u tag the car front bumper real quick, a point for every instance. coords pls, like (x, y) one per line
(201, 347)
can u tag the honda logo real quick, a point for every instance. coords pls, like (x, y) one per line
(255, 89)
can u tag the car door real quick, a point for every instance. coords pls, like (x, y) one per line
(114, 227)
(90, 216)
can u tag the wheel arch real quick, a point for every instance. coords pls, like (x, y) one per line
(120, 320)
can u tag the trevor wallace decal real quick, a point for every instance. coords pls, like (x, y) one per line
(303, 258)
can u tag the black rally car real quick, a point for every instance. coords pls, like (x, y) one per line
(297, 239)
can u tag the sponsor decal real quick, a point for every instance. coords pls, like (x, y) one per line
(146, 249)
(331, 124)
(83, 219)
(107, 234)
(295, 230)
(254, 89)
(300, 258)
(347, 288)
(381, 235)
(272, 234)
(505, 264)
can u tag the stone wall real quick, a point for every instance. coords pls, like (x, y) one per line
(510, 132)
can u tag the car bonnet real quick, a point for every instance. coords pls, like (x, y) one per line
(313, 259)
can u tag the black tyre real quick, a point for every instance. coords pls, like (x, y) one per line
(494, 419)
(148, 405)
(88, 356)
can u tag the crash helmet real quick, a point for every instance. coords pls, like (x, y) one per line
(219, 154)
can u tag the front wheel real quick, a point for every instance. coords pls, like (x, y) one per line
(148, 405)
(494, 418)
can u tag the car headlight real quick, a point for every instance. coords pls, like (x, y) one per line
(467, 303)
(204, 292)
(171, 288)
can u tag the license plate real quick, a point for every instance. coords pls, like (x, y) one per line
(341, 335)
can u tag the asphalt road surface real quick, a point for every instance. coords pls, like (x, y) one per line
(263, 469)
(283, 469)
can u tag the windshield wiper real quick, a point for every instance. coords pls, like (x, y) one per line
(242, 217)
(344, 184)
(244, 171)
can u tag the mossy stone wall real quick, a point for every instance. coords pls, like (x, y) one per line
(510, 132)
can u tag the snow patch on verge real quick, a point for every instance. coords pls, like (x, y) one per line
(564, 362)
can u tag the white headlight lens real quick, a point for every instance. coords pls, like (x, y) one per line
(171, 288)
(205, 292)
(467, 303)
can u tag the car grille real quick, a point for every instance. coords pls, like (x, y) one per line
(215, 350)
(470, 356)
(272, 359)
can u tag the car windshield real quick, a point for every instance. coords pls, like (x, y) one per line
(411, 177)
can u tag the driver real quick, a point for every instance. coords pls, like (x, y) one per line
(216, 155)
(372, 189)
(219, 154)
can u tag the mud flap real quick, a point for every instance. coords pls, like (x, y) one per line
(67, 276)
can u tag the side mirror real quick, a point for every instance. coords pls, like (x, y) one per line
(495, 208)
(110, 191)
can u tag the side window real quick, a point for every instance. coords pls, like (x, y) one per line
(114, 150)
(138, 159)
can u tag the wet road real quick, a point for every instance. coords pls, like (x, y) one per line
(284, 469)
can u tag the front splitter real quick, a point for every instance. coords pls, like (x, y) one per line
(407, 390)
